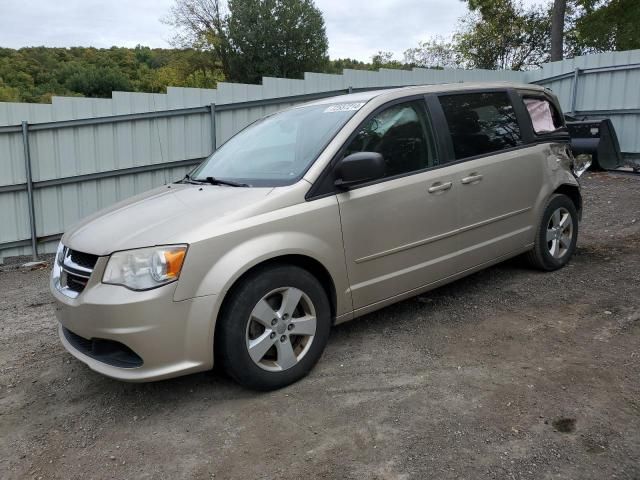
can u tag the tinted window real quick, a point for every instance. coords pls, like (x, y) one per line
(481, 123)
(544, 116)
(400, 134)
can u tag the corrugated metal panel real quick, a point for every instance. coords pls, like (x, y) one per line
(89, 149)
(606, 90)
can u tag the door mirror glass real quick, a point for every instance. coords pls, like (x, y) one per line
(358, 168)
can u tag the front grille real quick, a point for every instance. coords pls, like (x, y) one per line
(75, 283)
(106, 351)
(77, 268)
(85, 260)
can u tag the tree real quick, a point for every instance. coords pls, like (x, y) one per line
(281, 38)
(254, 38)
(502, 34)
(35, 74)
(557, 29)
(607, 25)
(201, 25)
(386, 60)
(97, 82)
(338, 65)
(8, 94)
(433, 53)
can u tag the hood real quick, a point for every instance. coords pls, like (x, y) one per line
(161, 216)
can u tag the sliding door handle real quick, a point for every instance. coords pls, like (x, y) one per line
(440, 187)
(473, 178)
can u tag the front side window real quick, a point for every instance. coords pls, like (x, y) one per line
(544, 115)
(401, 135)
(277, 150)
(481, 123)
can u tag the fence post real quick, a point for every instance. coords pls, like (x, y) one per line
(574, 90)
(27, 168)
(213, 127)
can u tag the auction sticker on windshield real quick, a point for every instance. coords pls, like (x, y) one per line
(344, 107)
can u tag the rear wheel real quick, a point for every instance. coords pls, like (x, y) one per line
(273, 328)
(557, 235)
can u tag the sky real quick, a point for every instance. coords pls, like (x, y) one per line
(355, 28)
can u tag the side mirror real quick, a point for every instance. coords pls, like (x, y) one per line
(358, 168)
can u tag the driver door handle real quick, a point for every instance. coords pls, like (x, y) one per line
(440, 187)
(475, 177)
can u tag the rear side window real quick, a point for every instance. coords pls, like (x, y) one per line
(481, 123)
(544, 116)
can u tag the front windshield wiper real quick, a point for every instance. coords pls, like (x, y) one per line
(187, 179)
(220, 181)
(212, 181)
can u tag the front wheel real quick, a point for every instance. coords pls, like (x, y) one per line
(557, 235)
(273, 328)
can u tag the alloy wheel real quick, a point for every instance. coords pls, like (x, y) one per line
(559, 233)
(281, 329)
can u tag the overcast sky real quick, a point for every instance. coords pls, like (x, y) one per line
(356, 28)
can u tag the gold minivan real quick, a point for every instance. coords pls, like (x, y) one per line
(311, 217)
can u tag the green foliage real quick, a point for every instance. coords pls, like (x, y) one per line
(590, 26)
(278, 38)
(504, 35)
(285, 38)
(9, 94)
(386, 60)
(254, 38)
(607, 25)
(35, 74)
(337, 66)
(434, 53)
(91, 81)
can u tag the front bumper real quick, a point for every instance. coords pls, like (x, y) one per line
(170, 338)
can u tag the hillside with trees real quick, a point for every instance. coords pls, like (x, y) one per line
(35, 74)
(219, 41)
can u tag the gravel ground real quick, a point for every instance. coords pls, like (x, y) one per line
(507, 374)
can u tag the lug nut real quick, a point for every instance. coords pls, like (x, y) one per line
(274, 321)
(273, 335)
(283, 338)
(290, 327)
(285, 316)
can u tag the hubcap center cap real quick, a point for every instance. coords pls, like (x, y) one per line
(281, 327)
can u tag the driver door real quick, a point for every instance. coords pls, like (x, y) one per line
(399, 231)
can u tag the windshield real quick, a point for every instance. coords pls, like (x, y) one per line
(278, 149)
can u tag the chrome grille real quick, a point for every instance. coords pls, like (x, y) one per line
(75, 271)
(85, 260)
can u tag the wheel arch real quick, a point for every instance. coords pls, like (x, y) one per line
(310, 264)
(573, 192)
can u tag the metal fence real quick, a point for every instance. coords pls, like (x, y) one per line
(175, 169)
(77, 155)
(602, 85)
(64, 161)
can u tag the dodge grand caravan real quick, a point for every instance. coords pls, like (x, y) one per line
(311, 217)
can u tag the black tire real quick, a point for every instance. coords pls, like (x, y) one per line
(231, 348)
(540, 256)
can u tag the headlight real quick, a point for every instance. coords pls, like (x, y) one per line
(145, 268)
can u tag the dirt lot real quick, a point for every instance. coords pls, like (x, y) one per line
(509, 373)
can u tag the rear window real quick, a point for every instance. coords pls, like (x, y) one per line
(544, 115)
(481, 123)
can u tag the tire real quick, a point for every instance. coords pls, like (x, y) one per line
(554, 251)
(258, 316)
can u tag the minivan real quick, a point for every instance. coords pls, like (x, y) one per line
(314, 216)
